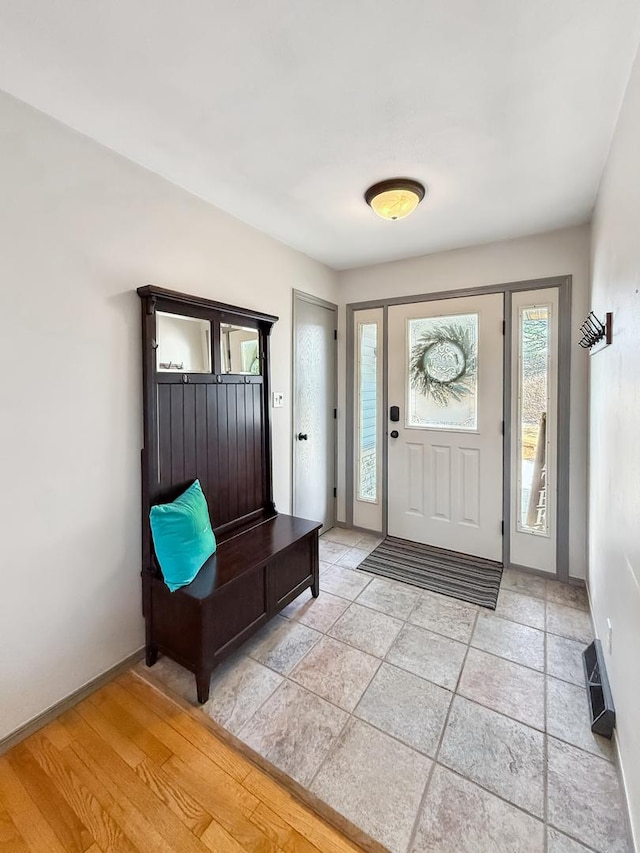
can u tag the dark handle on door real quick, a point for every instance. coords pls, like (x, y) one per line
(394, 433)
(302, 436)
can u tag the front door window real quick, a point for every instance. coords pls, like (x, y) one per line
(443, 372)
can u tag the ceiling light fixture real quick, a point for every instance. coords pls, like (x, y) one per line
(395, 198)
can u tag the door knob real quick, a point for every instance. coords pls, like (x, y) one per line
(394, 433)
(302, 436)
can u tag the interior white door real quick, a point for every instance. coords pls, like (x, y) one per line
(314, 424)
(445, 450)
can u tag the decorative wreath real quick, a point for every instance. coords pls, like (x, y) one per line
(442, 362)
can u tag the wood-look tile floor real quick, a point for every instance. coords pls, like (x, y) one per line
(129, 770)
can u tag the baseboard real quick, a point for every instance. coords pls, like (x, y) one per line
(344, 526)
(69, 701)
(552, 576)
(621, 778)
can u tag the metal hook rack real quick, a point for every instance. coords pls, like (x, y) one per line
(594, 331)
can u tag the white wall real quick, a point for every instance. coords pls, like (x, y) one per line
(614, 511)
(551, 254)
(80, 229)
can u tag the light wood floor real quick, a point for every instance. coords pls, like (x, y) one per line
(129, 770)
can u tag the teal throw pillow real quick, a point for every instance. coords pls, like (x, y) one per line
(182, 536)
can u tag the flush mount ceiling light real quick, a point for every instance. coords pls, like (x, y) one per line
(395, 198)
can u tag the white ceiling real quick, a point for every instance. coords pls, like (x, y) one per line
(282, 112)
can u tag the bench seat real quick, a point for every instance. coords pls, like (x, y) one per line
(253, 574)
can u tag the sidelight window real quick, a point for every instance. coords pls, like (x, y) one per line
(533, 415)
(367, 446)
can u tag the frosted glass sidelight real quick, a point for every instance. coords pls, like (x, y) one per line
(443, 372)
(533, 407)
(367, 464)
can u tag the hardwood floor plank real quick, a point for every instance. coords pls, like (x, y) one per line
(166, 734)
(30, 821)
(181, 804)
(119, 775)
(229, 792)
(230, 807)
(282, 833)
(304, 817)
(139, 829)
(218, 840)
(70, 830)
(211, 774)
(130, 728)
(152, 698)
(11, 841)
(181, 720)
(109, 733)
(128, 770)
(324, 836)
(106, 832)
(57, 734)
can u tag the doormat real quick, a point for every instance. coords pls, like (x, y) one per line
(471, 579)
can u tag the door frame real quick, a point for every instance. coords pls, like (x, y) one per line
(564, 285)
(297, 297)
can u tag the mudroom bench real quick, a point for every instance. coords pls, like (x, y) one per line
(206, 405)
(250, 578)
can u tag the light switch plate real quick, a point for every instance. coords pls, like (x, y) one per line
(278, 399)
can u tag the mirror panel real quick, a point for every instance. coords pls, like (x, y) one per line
(239, 349)
(184, 344)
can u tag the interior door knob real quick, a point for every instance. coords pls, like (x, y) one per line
(302, 436)
(394, 433)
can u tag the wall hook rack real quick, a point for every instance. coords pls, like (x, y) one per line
(594, 331)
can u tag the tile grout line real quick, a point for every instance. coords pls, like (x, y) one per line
(545, 596)
(454, 692)
(405, 621)
(350, 716)
(502, 799)
(310, 690)
(257, 710)
(467, 778)
(440, 740)
(332, 625)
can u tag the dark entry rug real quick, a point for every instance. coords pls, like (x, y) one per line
(471, 579)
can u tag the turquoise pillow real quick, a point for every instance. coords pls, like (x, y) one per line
(182, 536)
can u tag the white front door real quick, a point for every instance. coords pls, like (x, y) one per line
(445, 449)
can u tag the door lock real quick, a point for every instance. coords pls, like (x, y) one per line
(302, 436)
(394, 433)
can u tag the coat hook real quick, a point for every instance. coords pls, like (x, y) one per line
(594, 331)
